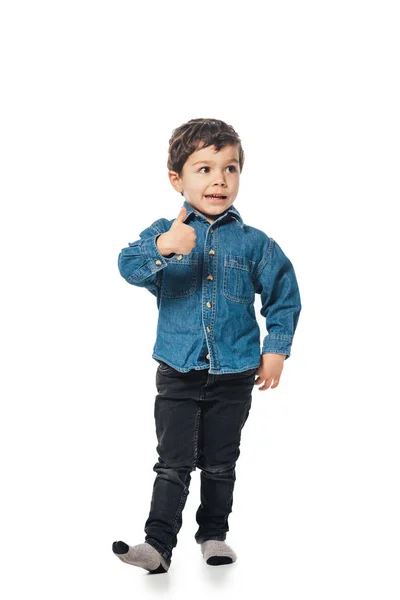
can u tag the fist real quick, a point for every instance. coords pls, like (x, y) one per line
(181, 237)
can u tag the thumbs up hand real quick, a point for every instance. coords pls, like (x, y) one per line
(180, 238)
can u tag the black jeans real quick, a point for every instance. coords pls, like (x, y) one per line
(199, 418)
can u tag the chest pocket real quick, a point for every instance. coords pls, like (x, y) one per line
(180, 277)
(238, 283)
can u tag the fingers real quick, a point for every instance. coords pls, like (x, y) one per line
(182, 214)
(271, 382)
(267, 384)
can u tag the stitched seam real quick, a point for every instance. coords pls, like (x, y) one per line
(280, 336)
(266, 258)
(184, 495)
(196, 437)
(194, 268)
(236, 298)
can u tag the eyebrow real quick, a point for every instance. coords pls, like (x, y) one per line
(211, 161)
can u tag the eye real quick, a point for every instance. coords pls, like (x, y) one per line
(228, 167)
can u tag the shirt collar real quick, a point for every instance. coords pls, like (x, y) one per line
(231, 210)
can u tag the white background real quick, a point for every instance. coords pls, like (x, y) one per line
(91, 92)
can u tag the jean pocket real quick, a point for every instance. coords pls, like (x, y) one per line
(238, 283)
(180, 277)
(164, 368)
(250, 372)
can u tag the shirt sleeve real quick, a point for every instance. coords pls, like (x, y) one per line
(280, 300)
(141, 262)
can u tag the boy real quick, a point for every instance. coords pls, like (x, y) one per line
(205, 267)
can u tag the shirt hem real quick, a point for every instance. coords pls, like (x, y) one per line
(207, 367)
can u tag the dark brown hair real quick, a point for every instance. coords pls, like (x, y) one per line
(197, 134)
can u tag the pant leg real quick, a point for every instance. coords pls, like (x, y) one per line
(225, 408)
(177, 415)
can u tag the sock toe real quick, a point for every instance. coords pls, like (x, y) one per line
(219, 560)
(142, 555)
(120, 548)
(217, 552)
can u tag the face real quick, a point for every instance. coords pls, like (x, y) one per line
(207, 172)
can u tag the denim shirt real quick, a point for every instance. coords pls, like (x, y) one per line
(205, 299)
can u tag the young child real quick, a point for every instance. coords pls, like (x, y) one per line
(204, 268)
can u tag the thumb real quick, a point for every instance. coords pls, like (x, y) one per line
(182, 215)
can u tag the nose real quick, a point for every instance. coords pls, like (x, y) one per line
(220, 180)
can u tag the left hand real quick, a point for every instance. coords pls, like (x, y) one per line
(270, 370)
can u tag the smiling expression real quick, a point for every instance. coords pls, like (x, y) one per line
(208, 172)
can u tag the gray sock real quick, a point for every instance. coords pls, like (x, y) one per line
(142, 555)
(216, 552)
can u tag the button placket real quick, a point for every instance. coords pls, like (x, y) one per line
(208, 303)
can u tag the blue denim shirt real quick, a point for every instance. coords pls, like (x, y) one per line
(205, 299)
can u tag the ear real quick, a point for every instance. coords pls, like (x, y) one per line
(175, 181)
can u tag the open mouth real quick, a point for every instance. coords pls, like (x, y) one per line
(217, 198)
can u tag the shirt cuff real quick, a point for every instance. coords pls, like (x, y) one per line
(277, 344)
(156, 260)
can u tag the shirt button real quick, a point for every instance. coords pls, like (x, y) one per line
(208, 329)
(208, 357)
(179, 257)
(210, 277)
(158, 262)
(211, 230)
(209, 304)
(211, 252)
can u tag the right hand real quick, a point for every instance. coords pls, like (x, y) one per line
(181, 237)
